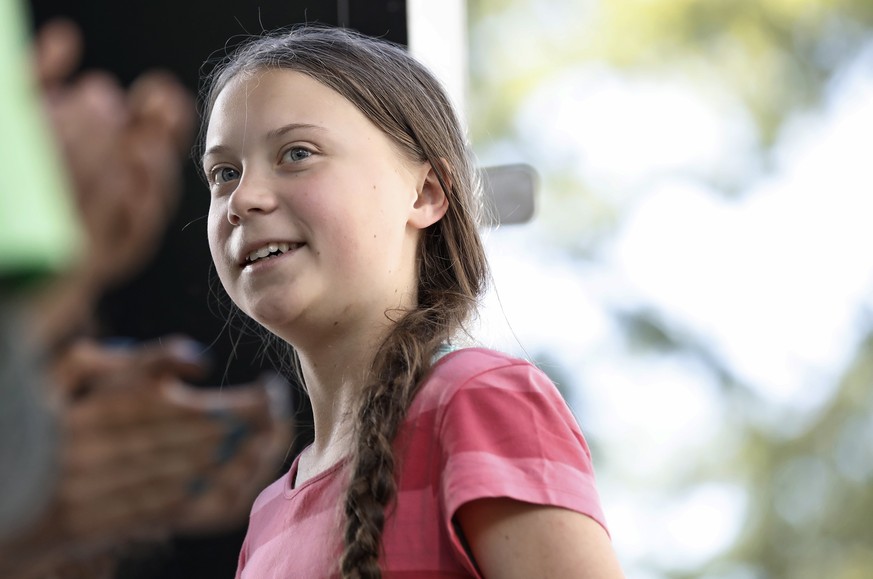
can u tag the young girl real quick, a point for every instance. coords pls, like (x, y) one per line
(343, 220)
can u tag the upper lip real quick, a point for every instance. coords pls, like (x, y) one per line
(242, 257)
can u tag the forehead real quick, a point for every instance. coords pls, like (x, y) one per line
(268, 97)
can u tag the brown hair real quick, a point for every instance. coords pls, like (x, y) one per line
(408, 104)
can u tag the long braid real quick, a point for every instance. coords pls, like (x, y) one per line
(382, 409)
(398, 370)
(405, 101)
(404, 360)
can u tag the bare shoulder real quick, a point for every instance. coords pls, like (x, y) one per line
(511, 538)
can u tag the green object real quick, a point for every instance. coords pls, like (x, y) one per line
(39, 231)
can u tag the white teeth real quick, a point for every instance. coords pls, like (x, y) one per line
(267, 250)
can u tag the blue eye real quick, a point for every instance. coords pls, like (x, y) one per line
(296, 154)
(224, 174)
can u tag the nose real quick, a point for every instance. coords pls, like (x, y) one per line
(252, 196)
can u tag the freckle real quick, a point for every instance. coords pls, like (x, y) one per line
(336, 323)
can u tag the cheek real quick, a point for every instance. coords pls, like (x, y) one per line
(213, 225)
(216, 236)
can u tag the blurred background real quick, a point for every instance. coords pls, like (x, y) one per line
(698, 278)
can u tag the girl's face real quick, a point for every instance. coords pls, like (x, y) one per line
(315, 215)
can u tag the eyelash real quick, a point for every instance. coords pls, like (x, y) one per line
(308, 152)
(216, 171)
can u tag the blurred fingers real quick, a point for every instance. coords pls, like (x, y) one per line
(58, 48)
(89, 365)
(130, 446)
(89, 115)
(261, 402)
(161, 105)
(228, 492)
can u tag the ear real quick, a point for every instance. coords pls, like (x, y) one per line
(431, 202)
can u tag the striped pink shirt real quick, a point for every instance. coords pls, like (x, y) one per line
(483, 425)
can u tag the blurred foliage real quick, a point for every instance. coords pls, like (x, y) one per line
(812, 494)
(809, 485)
(775, 57)
(776, 54)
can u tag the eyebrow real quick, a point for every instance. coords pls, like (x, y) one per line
(291, 127)
(272, 134)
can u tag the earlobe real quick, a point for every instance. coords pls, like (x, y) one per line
(432, 201)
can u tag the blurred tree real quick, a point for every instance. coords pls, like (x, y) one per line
(809, 487)
(811, 495)
(777, 54)
(775, 57)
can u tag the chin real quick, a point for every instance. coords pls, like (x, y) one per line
(270, 315)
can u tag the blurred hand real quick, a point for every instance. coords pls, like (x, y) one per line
(123, 151)
(147, 455)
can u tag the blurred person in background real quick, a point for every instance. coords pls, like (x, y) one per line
(103, 445)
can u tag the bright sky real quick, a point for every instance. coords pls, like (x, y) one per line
(775, 282)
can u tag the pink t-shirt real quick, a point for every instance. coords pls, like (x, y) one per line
(483, 425)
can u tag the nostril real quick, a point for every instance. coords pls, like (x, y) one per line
(248, 200)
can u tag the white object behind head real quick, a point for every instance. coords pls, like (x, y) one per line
(437, 34)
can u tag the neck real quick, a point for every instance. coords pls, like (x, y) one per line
(335, 372)
(335, 360)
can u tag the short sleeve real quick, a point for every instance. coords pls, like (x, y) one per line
(507, 432)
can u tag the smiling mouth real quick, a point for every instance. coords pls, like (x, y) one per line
(269, 251)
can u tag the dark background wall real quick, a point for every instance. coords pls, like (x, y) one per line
(172, 294)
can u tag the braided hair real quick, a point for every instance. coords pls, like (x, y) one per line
(405, 101)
